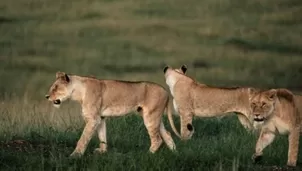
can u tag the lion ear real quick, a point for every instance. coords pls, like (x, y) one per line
(166, 68)
(62, 75)
(59, 74)
(184, 68)
(252, 92)
(271, 94)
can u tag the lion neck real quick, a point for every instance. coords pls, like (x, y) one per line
(78, 89)
(274, 112)
(172, 79)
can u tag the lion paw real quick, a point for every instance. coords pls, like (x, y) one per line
(256, 158)
(291, 164)
(99, 151)
(75, 155)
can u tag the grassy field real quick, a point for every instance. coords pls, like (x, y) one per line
(223, 42)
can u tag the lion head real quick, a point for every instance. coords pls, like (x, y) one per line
(263, 104)
(182, 70)
(60, 90)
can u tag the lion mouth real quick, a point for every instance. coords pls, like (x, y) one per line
(259, 119)
(57, 102)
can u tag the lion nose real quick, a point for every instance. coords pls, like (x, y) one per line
(257, 114)
(47, 96)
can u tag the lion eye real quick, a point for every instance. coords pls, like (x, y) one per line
(263, 104)
(253, 104)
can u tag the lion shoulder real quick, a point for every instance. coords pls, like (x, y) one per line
(286, 94)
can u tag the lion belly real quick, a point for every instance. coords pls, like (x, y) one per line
(208, 112)
(116, 111)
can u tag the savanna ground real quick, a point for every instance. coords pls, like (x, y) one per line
(223, 42)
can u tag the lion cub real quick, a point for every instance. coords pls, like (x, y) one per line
(191, 98)
(108, 98)
(274, 112)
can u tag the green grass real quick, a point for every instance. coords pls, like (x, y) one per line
(42, 138)
(224, 43)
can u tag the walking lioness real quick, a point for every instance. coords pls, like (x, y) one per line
(191, 98)
(104, 98)
(275, 111)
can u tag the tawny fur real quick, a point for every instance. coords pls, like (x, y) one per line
(298, 102)
(275, 112)
(106, 98)
(191, 98)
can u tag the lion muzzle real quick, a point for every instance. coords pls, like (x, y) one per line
(57, 102)
(258, 118)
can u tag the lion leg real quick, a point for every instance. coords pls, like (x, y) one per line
(187, 128)
(101, 129)
(266, 138)
(152, 123)
(245, 122)
(90, 127)
(167, 137)
(293, 146)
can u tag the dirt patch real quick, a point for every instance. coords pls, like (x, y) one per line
(23, 146)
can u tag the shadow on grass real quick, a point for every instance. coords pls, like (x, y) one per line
(131, 69)
(198, 63)
(28, 67)
(94, 32)
(276, 47)
(289, 22)
(93, 15)
(4, 20)
(289, 77)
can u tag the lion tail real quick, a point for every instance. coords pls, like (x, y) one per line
(170, 117)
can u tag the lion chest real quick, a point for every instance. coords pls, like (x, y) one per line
(281, 126)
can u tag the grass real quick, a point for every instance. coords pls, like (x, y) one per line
(224, 43)
(47, 136)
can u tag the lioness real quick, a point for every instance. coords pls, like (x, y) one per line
(104, 98)
(275, 112)
(191, 98)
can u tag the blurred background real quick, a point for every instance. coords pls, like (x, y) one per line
(254, 43)
(223, 42)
